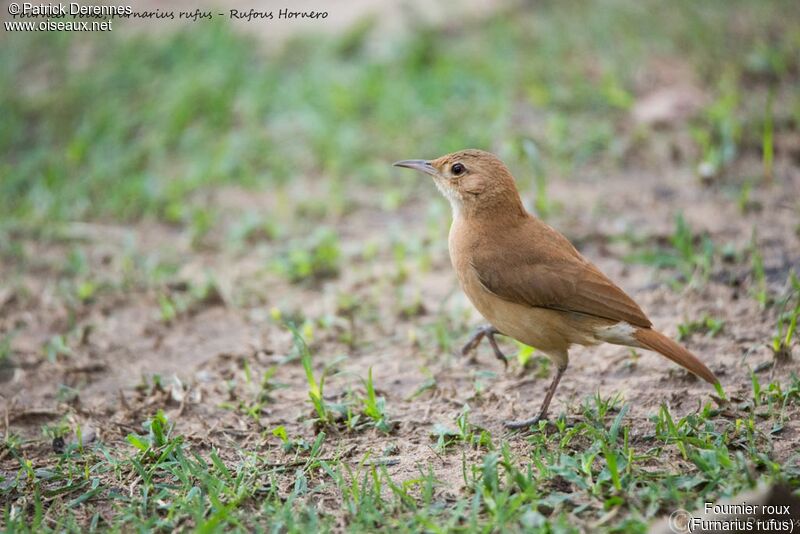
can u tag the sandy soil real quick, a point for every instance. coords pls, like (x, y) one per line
(201, 354)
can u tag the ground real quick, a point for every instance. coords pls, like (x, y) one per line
(159, 250)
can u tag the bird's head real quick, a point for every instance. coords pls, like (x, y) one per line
(474, 181)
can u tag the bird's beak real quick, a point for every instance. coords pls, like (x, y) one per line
(418, 165)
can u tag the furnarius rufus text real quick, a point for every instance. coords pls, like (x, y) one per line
(527, 279)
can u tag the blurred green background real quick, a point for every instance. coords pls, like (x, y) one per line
(115, 128)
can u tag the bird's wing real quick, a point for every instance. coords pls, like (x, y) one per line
(547, 272)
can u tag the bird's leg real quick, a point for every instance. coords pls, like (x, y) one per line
(475, 340)
(489, 331)
(545, 405)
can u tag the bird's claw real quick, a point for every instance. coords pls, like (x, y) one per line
(524, 423)
(497, 352)
(474, 341)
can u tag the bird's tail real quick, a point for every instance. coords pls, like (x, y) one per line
(653, 340)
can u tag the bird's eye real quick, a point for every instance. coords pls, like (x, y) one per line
(457, 169)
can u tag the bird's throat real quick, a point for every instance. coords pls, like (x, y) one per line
(456, 203)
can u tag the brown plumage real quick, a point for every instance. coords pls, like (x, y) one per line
(527, 279)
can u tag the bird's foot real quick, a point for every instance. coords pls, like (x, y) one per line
(474, 341)
(488, 331)
(524, 423)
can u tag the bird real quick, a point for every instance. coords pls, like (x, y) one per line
(526, 278)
